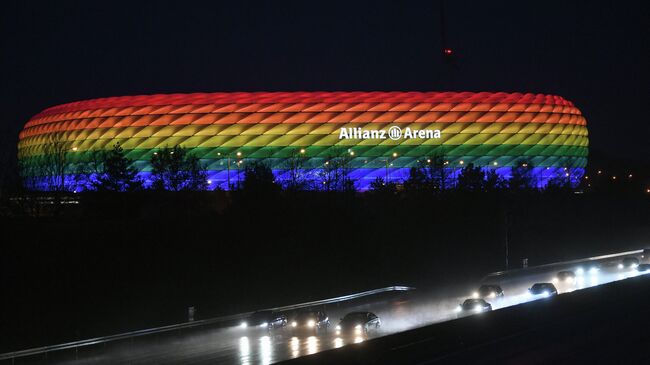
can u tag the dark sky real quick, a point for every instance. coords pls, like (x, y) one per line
(596, 54)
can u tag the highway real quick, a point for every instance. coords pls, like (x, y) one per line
(232, 344)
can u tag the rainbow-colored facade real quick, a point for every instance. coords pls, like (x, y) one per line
(228, 130)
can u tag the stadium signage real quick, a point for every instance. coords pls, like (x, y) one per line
(395, 133)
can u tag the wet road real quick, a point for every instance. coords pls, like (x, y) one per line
(236, 345)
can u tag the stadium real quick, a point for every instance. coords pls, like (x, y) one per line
(376, 134)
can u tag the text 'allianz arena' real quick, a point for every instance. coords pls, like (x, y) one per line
(381, 134)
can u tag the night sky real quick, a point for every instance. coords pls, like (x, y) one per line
(596, 54)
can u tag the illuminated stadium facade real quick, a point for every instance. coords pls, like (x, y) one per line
(379, 134)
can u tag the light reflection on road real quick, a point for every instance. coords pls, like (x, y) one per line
(265, 350)
(252, 346)
(279, 345)
(295, 347)
(312, 345)
(244, 350)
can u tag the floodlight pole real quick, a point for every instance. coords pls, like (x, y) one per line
(386, 171)
(228, 171)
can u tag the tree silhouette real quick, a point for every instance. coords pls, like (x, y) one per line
(176, 169)
(436, 168)
(335, 175)
(493, 182)
(48, 170)
(297, 179)
(560, 183)
(418, 181)
(380, 186)
(471, 178)
(117, 173)
(259, 179)
(522, 177)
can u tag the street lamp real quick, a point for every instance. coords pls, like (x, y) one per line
(457, 172)
(387, 165)
(239, 163)
(229, 157)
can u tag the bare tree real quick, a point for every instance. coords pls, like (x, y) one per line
(47, 171)
(56, 161)
(335, 175)
(295, 165)
(177, 169)
(436, 170)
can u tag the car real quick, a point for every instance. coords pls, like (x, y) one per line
(588, 267)
(358, 323)
(643, 268)
(566, 276)
(266, 319)
(310, 320)
(629, 263)
(473, 306)
(646, 253)
(488, 291)
(542, 289)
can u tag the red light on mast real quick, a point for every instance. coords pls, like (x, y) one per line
(447, 51)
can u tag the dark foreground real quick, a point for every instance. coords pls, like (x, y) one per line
(604, 324)
(114, 264)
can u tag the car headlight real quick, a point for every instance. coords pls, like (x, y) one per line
(311, 323)
(338, 327)
(265, 324)
(492, 295)
(634, 266)
(593, 270)
(477, 308)
(458, 309)
(579, 271)
(545, 293)
(243, 325)
(620, 266)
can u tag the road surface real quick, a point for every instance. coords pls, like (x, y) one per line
(237, 345)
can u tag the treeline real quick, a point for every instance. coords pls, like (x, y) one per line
(173, 169)
(177, 169)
